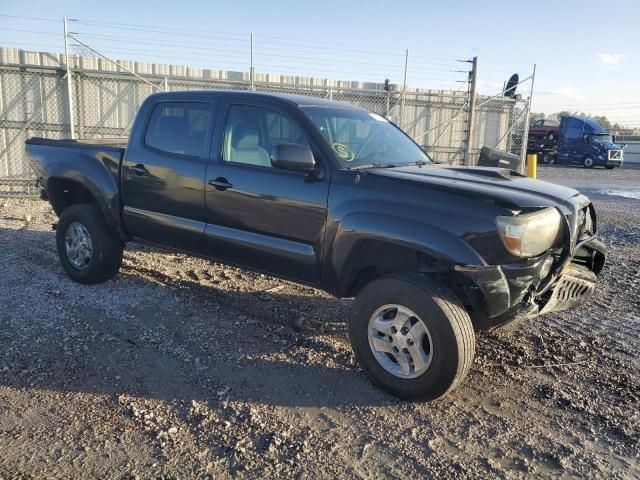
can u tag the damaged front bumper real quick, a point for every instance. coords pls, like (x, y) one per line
(499, 294)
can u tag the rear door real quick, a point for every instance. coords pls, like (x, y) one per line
(163, 175)
(259, 216)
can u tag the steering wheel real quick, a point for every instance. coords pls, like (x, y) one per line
(343, 151)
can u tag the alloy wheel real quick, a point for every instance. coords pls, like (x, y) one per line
(78, 246)
(400, 341)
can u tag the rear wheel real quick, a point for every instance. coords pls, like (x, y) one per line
(588, 162)
(412, 337)
(88, 250)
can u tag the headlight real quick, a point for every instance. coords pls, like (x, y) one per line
(530, 234)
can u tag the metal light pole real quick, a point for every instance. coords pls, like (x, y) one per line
(67, 65)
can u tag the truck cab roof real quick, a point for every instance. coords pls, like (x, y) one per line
(297, 100)
(590, 125)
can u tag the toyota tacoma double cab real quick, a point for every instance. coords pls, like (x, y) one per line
(336, 197)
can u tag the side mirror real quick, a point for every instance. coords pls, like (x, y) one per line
(586, 138)
(293, 157)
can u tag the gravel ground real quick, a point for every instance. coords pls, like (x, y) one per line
(182, 368)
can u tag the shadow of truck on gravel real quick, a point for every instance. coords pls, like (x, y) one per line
(245, 347)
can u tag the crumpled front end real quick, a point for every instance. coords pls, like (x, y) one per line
(556, 280)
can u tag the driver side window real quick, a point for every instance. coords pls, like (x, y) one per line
(252, 132)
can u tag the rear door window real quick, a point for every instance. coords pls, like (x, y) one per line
(180, 128)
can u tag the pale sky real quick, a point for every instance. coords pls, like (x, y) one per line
(587, 53)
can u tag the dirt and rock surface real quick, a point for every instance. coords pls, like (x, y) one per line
(182, 368)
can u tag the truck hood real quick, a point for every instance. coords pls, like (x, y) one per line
(507, 188)
(611, 146)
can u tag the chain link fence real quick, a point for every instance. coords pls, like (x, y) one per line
(34, 102)
(500, 123)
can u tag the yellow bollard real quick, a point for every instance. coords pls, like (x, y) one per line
(532, 165)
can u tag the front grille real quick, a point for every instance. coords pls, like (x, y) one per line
(615, 154)
(575, 285)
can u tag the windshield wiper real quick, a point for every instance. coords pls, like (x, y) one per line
(374, 165)
(418, 163)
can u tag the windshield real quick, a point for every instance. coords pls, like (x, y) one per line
(601, 138)
(362, 139)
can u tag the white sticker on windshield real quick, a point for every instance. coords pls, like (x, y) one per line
(377, 117)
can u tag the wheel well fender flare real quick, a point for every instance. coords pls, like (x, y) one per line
(358, 230)
(101, 191)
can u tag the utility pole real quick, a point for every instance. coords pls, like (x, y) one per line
(251, 71)
(67, 65)
(473, 76)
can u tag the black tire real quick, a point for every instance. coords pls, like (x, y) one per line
(106, 256)
(588, 162)
(610, 167)
(449, 326)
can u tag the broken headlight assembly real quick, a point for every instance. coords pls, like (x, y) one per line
(530, 234)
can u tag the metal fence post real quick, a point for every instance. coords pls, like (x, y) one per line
(525, 133)
(388, 103)
(404, 89)
(473, 74)
(72, 130)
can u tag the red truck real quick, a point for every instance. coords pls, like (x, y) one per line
(546, 129)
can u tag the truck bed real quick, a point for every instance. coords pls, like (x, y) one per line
(90, 162)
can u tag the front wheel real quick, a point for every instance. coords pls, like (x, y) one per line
(412, 337)
(610, 167)
(88, 250)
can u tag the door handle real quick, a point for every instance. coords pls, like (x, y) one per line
(220, 183)
(139, 169)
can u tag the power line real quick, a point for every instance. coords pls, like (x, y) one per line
(240, 36)
(426, 69)
(155, 29)
(40, 19)
(38, 32)
(314, 59)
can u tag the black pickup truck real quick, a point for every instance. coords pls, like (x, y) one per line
(336, 197)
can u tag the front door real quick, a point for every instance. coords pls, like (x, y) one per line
(259, 216)
(163, 175)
